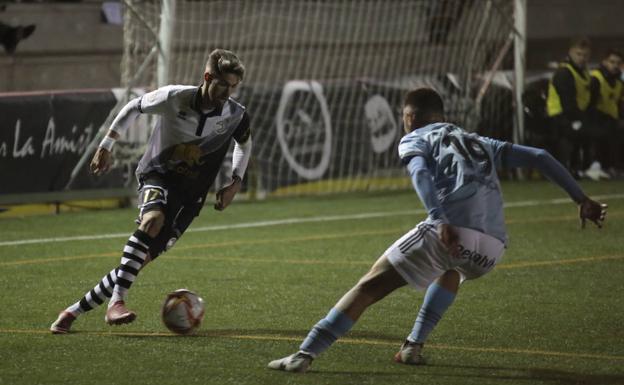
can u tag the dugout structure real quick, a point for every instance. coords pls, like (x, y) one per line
(325, 79)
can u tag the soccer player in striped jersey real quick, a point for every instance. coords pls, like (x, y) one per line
(192, 135)
(463, 237)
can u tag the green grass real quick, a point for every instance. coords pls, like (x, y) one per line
(551, 313)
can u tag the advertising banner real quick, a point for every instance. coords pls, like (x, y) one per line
(43, 135)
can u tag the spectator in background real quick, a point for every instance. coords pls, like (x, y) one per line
(607, 137)
(535, 118)
(10, 36)
(567, 104)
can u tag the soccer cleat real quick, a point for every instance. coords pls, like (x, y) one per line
(63, 323)
(410, 354)
(298, 363)
(117, 314)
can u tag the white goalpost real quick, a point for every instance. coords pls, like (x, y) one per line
(325, 79)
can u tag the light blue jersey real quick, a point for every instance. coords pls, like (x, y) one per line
(463, 167)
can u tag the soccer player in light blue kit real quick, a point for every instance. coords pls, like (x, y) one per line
(463, 237)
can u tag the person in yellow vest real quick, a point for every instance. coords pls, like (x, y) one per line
(567, 104)
(607, 85)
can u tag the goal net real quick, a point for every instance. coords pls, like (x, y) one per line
(325, 79)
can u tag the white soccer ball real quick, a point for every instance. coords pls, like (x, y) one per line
(183, 311)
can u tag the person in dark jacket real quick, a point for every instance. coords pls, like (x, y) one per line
(608, 90)
(567, 105)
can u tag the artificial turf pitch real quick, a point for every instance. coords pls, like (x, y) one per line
(551, 313)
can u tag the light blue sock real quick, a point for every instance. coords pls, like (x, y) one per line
(326, 332)
(437, 300)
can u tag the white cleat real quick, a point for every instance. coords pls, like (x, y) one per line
(118, 314)
(410, 354)
(297, 363)
(63, 323)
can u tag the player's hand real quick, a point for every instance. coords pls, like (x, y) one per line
(226, 194)
(592, 210)
(449, 237)
(101, 162)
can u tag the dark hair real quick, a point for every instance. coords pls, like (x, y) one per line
(222, 61)
(580, 42)
(425, 102)
(613, 52)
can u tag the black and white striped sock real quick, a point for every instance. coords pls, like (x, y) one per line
(134, 255)
(96, 296)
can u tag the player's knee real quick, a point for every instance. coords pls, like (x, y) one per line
(380, 280)
(452, 275)
(371, 287)
(152, 222)
(363, 295)
(450, 280)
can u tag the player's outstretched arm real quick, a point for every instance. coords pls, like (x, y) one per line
(524, 156)
(103, 158)
(240, 159)
(226, 194)
(101, 162)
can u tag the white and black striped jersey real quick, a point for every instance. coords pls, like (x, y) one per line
(188, 145)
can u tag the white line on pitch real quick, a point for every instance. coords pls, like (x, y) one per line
(290, 221)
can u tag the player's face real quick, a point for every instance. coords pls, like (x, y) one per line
(222, 87)
(612, 63)
(579, 56)
(408, 119)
